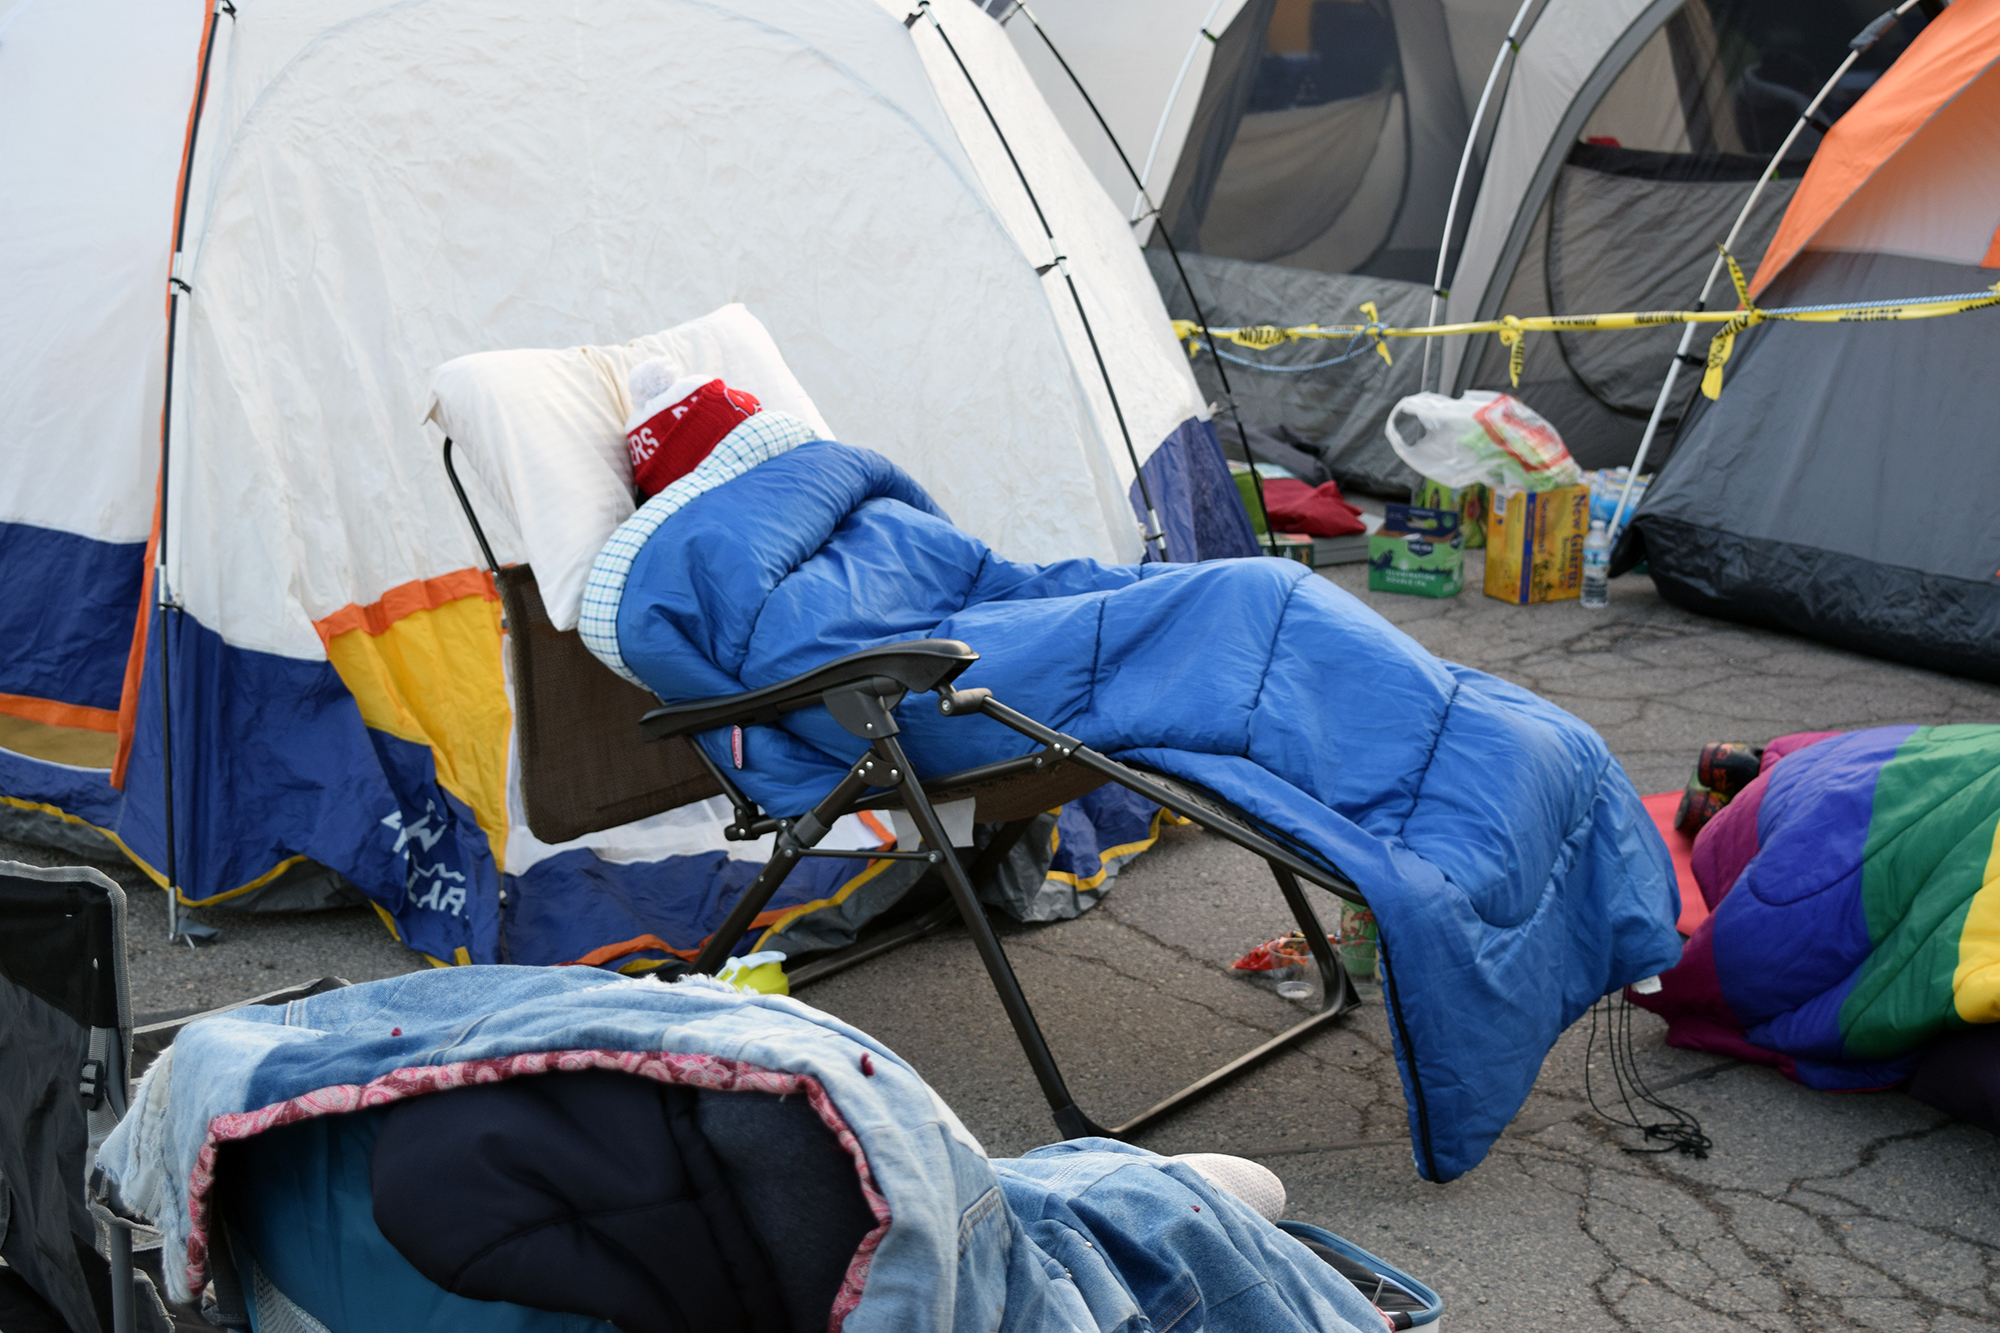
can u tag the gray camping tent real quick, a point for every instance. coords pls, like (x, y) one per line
(1305, 162)
(1632, 132)
(1841, 484)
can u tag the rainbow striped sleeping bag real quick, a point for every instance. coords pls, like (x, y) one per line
(1856, 894)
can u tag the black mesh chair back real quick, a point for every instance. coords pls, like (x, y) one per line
(68, 1026)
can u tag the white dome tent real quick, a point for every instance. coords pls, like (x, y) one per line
(372, 189)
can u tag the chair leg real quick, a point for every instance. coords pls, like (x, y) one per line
(793, 842)
(1337, 997)
(1336, 987)
(1072, 1122)
(124, 1303)
(1338, 992)
(990, 858)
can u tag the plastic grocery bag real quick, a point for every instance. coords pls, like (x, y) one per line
(1483, 438)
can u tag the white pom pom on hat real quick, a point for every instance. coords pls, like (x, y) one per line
(647, 380)
(656, 385)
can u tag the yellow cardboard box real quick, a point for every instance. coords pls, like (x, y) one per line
(1534, 544)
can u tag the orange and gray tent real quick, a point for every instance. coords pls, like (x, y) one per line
(1841, 486)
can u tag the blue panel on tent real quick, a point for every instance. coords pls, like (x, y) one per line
(67, 641)
(1109, 822)
(272, 761)
(1200, 507)
(573, 903)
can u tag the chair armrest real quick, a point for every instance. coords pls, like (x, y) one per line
(915, 666)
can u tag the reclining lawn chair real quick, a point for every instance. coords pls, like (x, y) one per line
(583, 768)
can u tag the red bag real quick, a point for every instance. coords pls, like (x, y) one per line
(1317, 511)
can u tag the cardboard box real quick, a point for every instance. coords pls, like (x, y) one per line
(1417, 551)
(1471, 502)
(1534, 544)
(1292, 546)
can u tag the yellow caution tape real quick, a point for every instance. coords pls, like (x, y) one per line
(1514, 329)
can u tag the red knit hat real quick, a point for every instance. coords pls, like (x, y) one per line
(688, 421)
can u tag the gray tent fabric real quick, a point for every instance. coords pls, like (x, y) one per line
(1339, 409)
(1323, 146)
(1328, 132)
(1632, 133)
(1566, 63)
(1623, 229)
(1835, 488)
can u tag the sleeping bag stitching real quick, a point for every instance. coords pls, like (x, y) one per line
(1264, 677)
(1430, 753)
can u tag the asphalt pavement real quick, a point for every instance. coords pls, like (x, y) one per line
(1812, 1211)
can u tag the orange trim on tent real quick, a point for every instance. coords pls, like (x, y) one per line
(407, 599)
(1953, 49)
(135, 660)
(53, 714)
(607, 953)
(599, 957)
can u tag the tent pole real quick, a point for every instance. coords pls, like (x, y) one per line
(1166, 112)
(1860, 44)
(165, 606)
(1509, 45)
(1152, 210)
(1156, 532)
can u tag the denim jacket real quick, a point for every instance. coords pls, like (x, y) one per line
(1083, 1237)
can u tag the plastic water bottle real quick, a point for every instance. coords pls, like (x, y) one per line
(1597, 565)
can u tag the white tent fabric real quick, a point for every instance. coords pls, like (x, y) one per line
(1156, 391)
(1143, 65)
(86, 225)
(1565, 64)
(357, 228)
(380, 187)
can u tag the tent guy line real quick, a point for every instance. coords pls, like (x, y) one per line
(1513, 329)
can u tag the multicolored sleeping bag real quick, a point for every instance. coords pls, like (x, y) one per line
(1515, 875)
(1856, 894)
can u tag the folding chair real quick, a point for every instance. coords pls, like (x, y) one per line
(66, 1069)
(583, 769)
(63, 1066)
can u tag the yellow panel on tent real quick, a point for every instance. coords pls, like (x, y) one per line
(423, 664)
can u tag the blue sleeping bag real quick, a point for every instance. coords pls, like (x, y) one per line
(1515, 876)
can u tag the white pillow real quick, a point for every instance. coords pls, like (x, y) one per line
(545, 432)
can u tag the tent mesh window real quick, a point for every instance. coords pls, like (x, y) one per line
(1653, 182)
(1328, 132)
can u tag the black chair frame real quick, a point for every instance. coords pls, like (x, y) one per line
(861, 692)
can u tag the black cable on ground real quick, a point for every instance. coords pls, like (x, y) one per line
(1152, 211)
(1157, 529)
(1681, 1132)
